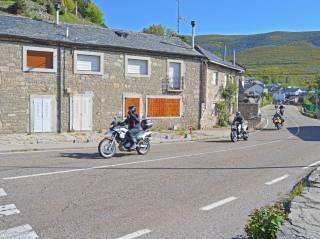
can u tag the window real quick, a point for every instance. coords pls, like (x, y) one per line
(137, 66)
(39, 59)
(159, 107)
(175, 75)
(88, 62)
(215, 78)
(225, 80)
(131, 100)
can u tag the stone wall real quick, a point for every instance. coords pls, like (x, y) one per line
(212, 94)
(16, 87)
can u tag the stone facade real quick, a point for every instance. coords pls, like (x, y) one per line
(212, 92)
(108, 89)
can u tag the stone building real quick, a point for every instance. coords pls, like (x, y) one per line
(217, 73)
(59, 78)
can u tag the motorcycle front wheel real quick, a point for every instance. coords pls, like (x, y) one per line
(143, 147)
(107, 148)
(233, 137)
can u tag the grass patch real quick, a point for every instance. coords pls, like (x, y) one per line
(71, 18)
(297, 190)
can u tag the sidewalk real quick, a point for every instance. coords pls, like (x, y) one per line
(42, 142)
(304, 217)
(82, 140)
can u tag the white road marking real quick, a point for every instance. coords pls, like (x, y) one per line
(136, 234)
(2, 193)
(218, 204)
(277, 180)
(139, 162)
(312, 165)
(7, 210)
(21, 232)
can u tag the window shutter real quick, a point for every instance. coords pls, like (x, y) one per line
(163, 107)
(131, 102)
(139, 67)
(39, 59)
(88, 63)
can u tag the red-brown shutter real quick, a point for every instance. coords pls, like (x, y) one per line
(131, 102)
(40, 59)
(162, 107)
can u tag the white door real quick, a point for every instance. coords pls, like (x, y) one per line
(174, 75)
(81, 113)
(42, 115)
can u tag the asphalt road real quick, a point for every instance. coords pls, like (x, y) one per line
(184, 190)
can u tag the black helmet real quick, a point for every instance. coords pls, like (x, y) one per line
(132, 109)
(238, 113)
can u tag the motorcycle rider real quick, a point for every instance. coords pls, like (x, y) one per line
(133, 123)
(238, 119)
(278, 115)
(281, 109)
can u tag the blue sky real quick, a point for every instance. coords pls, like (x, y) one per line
(215, 16)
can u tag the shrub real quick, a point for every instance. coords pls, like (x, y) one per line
(94, 14)
(223, 114)
(50, 8)
(264, 223)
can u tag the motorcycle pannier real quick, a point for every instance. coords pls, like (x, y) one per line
(146, 124)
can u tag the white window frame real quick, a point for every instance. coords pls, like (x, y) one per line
(215, 78)
(88, 53)
(131, 95)
(164, 97)
(54, 112)
(43, 49)
(130, 57)
(182, 72)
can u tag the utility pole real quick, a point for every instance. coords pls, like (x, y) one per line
(178, 19)
(76, 7)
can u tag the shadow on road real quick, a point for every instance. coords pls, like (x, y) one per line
(306, 133)
(90, 156)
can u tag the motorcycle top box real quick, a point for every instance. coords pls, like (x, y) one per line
(146, 124)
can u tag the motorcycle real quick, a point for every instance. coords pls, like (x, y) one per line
(237, 133)
(117, 134)
(278, 122)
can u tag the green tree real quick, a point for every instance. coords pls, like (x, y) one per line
(20, 6)
(94, 14)
(70, 4)
(155, 30)
(82, 5)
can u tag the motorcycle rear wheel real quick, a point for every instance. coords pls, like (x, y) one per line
(143, 147)
(106, 150)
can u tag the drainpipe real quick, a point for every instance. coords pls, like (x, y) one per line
(193, 24)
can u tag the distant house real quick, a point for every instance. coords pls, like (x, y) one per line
(254, 91)
(293, 91)
(279, 97)
(272, 88)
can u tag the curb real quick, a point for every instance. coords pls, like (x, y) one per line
(76, 147)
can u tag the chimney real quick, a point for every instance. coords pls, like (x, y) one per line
(234, 57)
(57, 6)
(193, 24)
(67, 32)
